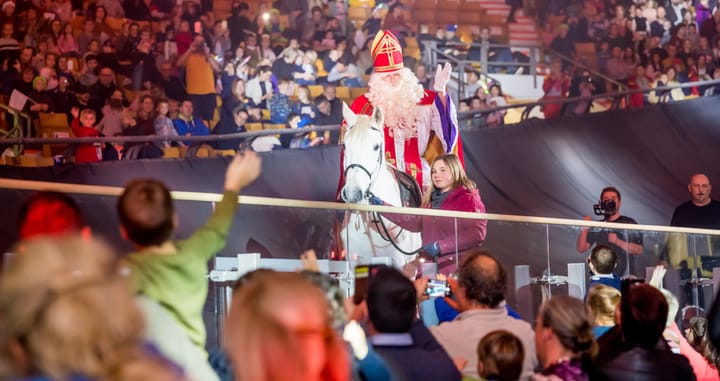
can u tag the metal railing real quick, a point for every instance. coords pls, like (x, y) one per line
(617, 100)
(16, 131)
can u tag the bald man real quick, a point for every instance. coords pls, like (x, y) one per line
(701, 211)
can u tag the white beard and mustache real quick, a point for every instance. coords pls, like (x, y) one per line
(398, 102)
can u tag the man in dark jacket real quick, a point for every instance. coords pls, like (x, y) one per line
(402, 341)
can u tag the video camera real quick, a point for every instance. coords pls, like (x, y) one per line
(605, 208)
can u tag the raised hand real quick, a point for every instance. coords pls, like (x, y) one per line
(442, 77)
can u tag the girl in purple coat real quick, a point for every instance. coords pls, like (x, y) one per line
(451, 190)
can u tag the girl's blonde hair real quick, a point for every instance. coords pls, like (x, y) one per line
(460, 178)
(64, 304)
(258, 341)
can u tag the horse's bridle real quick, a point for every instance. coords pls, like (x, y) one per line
(371, 175)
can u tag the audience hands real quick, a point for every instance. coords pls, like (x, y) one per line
(242, 170)
(354, 335)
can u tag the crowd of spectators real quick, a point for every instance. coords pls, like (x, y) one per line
(98, 316)
(635, 45)
(136, 63)
(128, 60)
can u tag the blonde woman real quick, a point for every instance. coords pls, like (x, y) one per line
(279, 328)
(78, 320)
(563, 339)
(602, 300)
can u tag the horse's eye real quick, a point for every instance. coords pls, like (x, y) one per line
(377, 147)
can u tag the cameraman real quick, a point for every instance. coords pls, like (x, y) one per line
(620, 241)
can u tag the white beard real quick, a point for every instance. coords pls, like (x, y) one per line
(398, 102)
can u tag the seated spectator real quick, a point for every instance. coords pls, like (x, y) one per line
(235, 98)
(302, 140)
(259, 89)
(87, 34)
(280, 103)
(236, 125)
(104, 87)
(83, 125)
(603, 262)
(145, 210)
(286, 66)
(101, 334)
(640, 80)
(164, 125)
(41, 99)
(63, 97)
(266, 50)
(636, 345)
(555, 86)
(88, 76)
(275, 316)
(329, 94)
(602, 300)
(309, 73)
(188, 125)
(345, 73)
(171, 84)
(113, 8)
(9, 46)
(102, 28)
(392, 305)
(563, 338)
(500, 356)
(666, 96)
(66, 42)
(111, 123)
(480, 289)
(323, 116)
(303, 106)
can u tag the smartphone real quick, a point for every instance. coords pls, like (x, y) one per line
(363, 274)
(71, 65)
(438, 288)
(223, 24)
(197, 27)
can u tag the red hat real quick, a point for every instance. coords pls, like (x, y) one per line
(386, 52)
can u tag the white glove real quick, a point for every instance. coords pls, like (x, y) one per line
(442, 77)
(354, 335)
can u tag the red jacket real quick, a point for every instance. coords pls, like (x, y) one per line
(470, 232)
(85, 153)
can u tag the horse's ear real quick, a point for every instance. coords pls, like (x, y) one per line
(377, 117)
(349, 116)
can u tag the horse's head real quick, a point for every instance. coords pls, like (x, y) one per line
(364, 153)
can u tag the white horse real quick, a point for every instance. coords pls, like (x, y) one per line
(367, 234)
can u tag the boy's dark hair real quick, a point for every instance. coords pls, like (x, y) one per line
(604, 259)
(484, 282)
(502, 354)
(644, 312)
(145, 210)
(90, 57)
(611, 189)
(48, 213)
(263, 69)
(391, 301)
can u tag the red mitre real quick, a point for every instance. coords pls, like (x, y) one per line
(386, 52)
